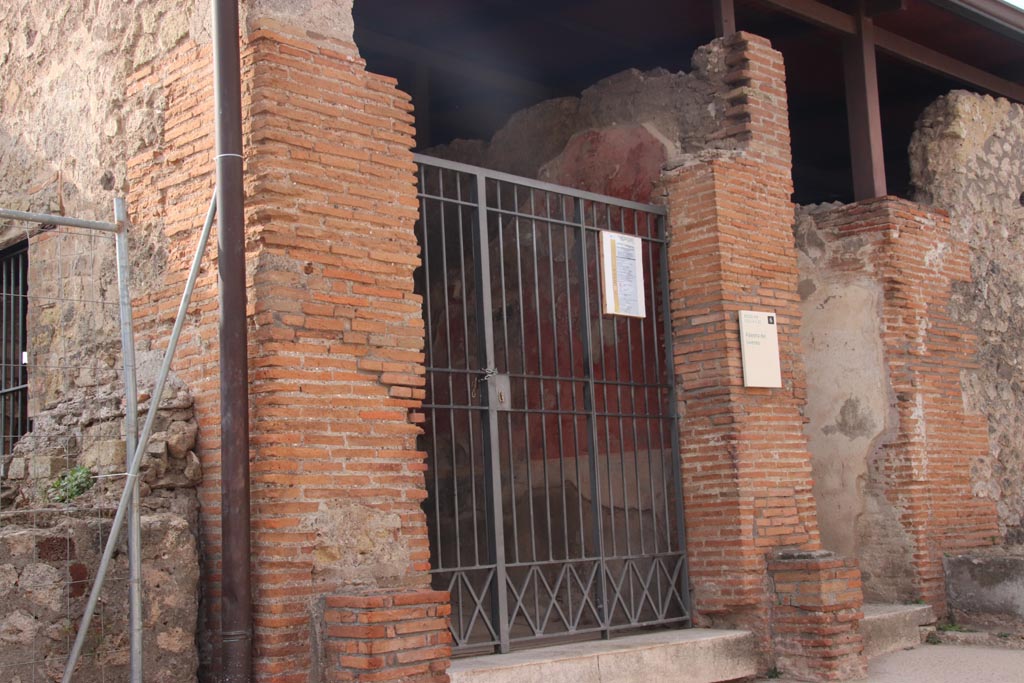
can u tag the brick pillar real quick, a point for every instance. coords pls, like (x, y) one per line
(746, 467)
(925, 469)
(337, 362)
(336, 338)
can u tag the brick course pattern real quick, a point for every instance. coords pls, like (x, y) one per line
(171, 183)
(925, 468)
(387, 637)
(335, 338)
(815, 619)
(746, 467)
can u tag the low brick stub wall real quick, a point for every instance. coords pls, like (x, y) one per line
(399, 636)
(816, 617)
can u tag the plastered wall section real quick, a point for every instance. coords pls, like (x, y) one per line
(895, 446)
(967, 157)
(851, 404)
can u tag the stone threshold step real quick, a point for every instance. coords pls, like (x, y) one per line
(693, 655)
(887, 628)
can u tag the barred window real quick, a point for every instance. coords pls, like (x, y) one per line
(13, 346)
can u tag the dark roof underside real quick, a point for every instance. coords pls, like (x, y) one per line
(486, 59)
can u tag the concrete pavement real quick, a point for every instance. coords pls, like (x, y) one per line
(945, 664)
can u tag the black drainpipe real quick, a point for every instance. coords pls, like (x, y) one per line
(236, 596)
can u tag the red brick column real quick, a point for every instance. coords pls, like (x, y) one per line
(926, 468)
(746, 467)
(336, 339)
(337, 358)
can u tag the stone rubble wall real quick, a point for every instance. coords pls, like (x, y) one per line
(967, 157)
(64, 112)
(50, 550)
(67, 130)
(48, 560)
(86, 429)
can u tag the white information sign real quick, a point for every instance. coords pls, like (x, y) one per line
(622, 274)
(759, 346)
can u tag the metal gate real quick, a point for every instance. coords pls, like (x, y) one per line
(555, 504)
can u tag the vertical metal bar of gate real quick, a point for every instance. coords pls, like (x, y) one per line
(492, 458)
(590, 407)
(677, 470)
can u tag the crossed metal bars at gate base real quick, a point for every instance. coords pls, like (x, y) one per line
(555, 503)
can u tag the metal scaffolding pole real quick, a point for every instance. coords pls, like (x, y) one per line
(131, 433)
(140, 447)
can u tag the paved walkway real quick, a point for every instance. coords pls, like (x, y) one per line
(946, 664)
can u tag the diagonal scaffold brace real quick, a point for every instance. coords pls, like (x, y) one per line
(131, 485)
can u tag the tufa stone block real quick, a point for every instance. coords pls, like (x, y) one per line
(106, 456)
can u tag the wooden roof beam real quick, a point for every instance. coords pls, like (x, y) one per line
(864, 112)
(818, 14)
(915, 53)
(725, 17)
(875, 8)
(827, 17)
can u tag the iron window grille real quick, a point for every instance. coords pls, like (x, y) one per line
(13, 345)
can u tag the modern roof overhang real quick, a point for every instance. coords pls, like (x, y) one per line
(866, 66)
(863, 37)
(994, 13)
(904, 48)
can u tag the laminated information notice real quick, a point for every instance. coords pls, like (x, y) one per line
(622, 274)
(759, 346)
